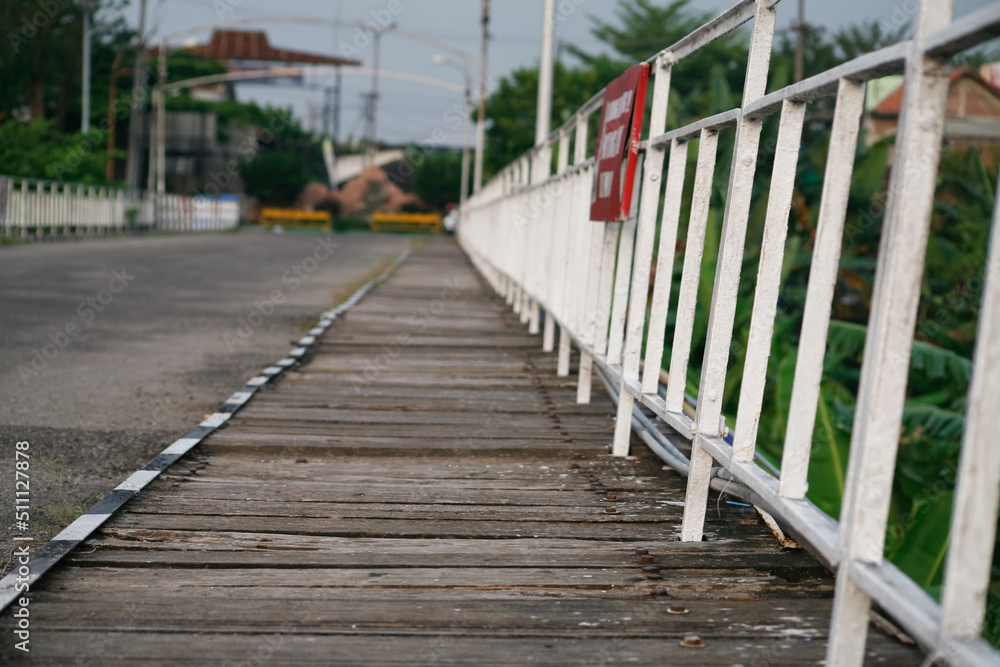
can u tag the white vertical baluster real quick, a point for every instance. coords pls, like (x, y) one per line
(885, 370)
(691, 272)
(576, 218)
(664, 266)
(542, 211)
(973, 530)
(619, 297)
(557, 258)
(727, 276)
(590, 232)
(765, 300)
(612, 230)
(819, 293)
(644, 238)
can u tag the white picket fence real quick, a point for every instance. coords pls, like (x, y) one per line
(528, 231)
(35, 208)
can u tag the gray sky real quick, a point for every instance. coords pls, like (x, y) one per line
(412, 112)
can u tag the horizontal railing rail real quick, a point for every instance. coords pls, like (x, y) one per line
(37, 207)
(528, 232)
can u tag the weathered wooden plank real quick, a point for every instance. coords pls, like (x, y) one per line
(286, 647)
(286, 551)
(737, 583)
(336, 417)
(442, 552)
(326, 484)
(303, 441)
(588, 511)
(527, 617)
(605, 527)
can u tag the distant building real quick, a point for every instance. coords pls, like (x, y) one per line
(972, 115)
(196, 160)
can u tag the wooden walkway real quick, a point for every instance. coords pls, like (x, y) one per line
(425, 490)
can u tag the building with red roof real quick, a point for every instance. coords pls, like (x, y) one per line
(972, 112)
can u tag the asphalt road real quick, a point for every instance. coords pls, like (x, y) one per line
(111, 349)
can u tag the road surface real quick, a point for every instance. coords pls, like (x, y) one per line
(111, 349)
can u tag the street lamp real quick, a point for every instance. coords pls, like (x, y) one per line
(465, 69)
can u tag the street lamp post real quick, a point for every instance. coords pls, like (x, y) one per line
(481, 115)
(465, 67)
(544, 109)
(161, 121)
(88, 10)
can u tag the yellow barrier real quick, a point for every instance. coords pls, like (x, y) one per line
(292, 218)
(406, 222)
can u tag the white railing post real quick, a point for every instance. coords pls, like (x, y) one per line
(727, 276)
(765, 300)
(660, 302)
(687, 297)
(645, 235)
(588, 255)
(557, 245)
(970, 551)
(542, 207)
(576, 217)
(885, 369)
(819, 293)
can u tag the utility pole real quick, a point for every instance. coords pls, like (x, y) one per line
(336, 106)
(328, 111)
(481, 117)
(543, 117)
(133, 165)
(800, 42)
(373, 104)
(466, 68)
(85, 102)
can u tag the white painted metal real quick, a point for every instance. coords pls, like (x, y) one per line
(645, 235)
(970, 550)
(765, 300)
(819, 293)
(691, 271)
(564, 217)
(592, 275)
(612, 232)
(646, 227)
(884, 373)
(664, 266)
(727, 275)
(37, 207)
(619, 301)
(588, 300)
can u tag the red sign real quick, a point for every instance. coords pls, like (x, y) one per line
(621, 122)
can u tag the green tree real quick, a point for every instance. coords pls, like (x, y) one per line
(37, 150)
(511, 108)
(437, 179)
(276, 176)
(40, 58)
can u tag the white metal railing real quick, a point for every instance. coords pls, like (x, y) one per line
(528, 232)
(29, 206)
